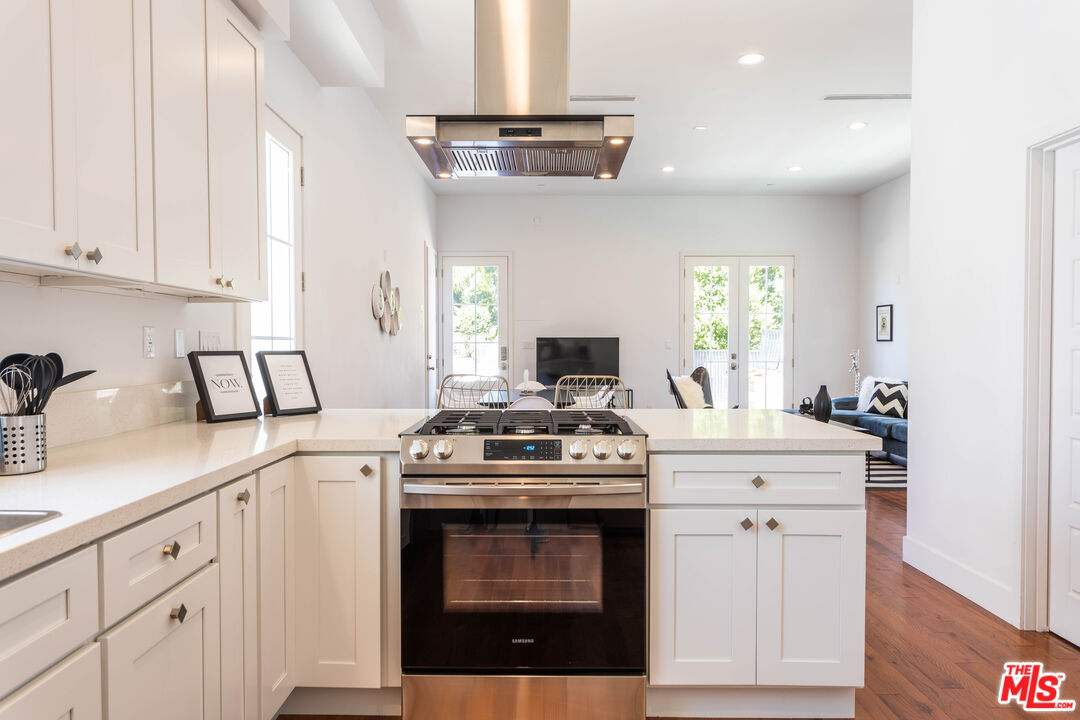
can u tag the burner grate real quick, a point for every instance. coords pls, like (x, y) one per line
(477, 422)
(600, 422)
(519, 422)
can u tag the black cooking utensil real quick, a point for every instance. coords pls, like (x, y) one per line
(68, 379)
(43, 376)
(58, 363)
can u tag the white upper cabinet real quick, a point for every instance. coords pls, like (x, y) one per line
(235, 93)
(37, 131)
(186, 256)
(113, 139)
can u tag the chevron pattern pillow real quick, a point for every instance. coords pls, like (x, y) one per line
(889, 399)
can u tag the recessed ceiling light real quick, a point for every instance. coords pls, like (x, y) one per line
(752, 58)
(604, 176)
(668, 169)
(795, 168)
(424, 141)
(858, 125)
(617, 141)
(444, 175)
(701, 128)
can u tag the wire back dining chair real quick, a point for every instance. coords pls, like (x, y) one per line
(473, 391)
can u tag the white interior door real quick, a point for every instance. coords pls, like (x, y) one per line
(1064, 610)
(475, 317)
(431, 326)
(737, 323)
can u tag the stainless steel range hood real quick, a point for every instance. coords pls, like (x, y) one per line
(522, 128)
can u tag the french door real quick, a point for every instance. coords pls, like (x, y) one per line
(1064, 556)
(737, 323)
(475, 319)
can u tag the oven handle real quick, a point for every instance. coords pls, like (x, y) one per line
(439, 487)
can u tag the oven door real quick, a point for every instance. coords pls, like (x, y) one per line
(513, 590)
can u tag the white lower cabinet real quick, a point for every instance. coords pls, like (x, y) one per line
(703, 597)
(164, 661)
(339, 583)
(238, 562)
(70, 690)
(277, 604)
(757, 596)
(811, 597)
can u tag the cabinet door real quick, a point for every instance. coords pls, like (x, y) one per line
(811, 597)
(338, 577)
(70, 690)
(113, 137)
(37, 131)
(235, 96)
(237, 558)
(164, 661)
(185, 256)
(702, 596)
(277, 608)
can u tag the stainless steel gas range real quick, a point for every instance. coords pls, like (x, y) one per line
(523, 566)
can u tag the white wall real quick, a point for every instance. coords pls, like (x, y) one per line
(366, 209)
(589, 265)
(884, 231)
(990, 80)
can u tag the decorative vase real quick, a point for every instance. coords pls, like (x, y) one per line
(823, 405)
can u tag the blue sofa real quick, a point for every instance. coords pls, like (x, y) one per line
(892, 431)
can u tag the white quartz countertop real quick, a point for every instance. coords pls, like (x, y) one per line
(746, 431)
(101, 486)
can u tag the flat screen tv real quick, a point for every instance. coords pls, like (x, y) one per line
(556, 357)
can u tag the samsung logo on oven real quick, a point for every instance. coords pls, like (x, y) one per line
(523, 641)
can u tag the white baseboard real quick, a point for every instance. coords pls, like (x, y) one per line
(755, 702)
(996, 597)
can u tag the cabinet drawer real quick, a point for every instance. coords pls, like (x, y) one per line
(144, 561)
(756, 479)
(46, 615)
(72, 689)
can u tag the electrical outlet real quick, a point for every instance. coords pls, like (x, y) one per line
(148, 342)
(209, 341)
(178, 342)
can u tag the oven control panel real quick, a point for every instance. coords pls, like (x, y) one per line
(522, 449)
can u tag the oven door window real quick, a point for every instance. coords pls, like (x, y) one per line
(507, 590)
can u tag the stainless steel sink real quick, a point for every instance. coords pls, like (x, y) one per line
(12, 521)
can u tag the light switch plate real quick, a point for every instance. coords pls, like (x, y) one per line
(148, 342)
(178, 342)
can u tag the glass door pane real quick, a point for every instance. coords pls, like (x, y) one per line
(475, 317)
(712, 327)
(766, 359)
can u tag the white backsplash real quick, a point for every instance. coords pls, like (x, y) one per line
(80, 415)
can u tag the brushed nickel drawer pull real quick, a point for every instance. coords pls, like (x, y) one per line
(172, 550)
(244, 497)
(758, 481)
(366, 470)
(747, 524)
(178, 614)
(772, 524)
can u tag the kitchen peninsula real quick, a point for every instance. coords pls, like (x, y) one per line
(279, 540)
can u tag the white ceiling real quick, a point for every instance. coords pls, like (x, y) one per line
(679, 58)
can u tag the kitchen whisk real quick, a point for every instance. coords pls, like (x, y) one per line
(15, 388)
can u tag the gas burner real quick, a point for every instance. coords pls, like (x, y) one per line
(524, 430)
(465, 428)
(586, 429)
(462, 422)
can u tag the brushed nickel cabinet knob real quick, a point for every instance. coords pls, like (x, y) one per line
(366, 470)
(747, 524)
(95, 255)
(772, 524)
(172, 550)
(758, 481)
(178, 614)
(244, 497)
(73, 250)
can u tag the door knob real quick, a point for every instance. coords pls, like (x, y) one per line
(244, 497)
(95, 255)
(734, 366)
(172, 550)
(178, 614)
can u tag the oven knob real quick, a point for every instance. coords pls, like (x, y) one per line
(444, 449)
(578, 449)
(418, 450)
(626, 449)
(602, 450)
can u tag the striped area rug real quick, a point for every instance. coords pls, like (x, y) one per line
(882, 474)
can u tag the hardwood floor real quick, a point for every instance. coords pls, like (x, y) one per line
(930, 653)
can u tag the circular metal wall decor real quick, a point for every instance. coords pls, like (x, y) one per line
(386, 304)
